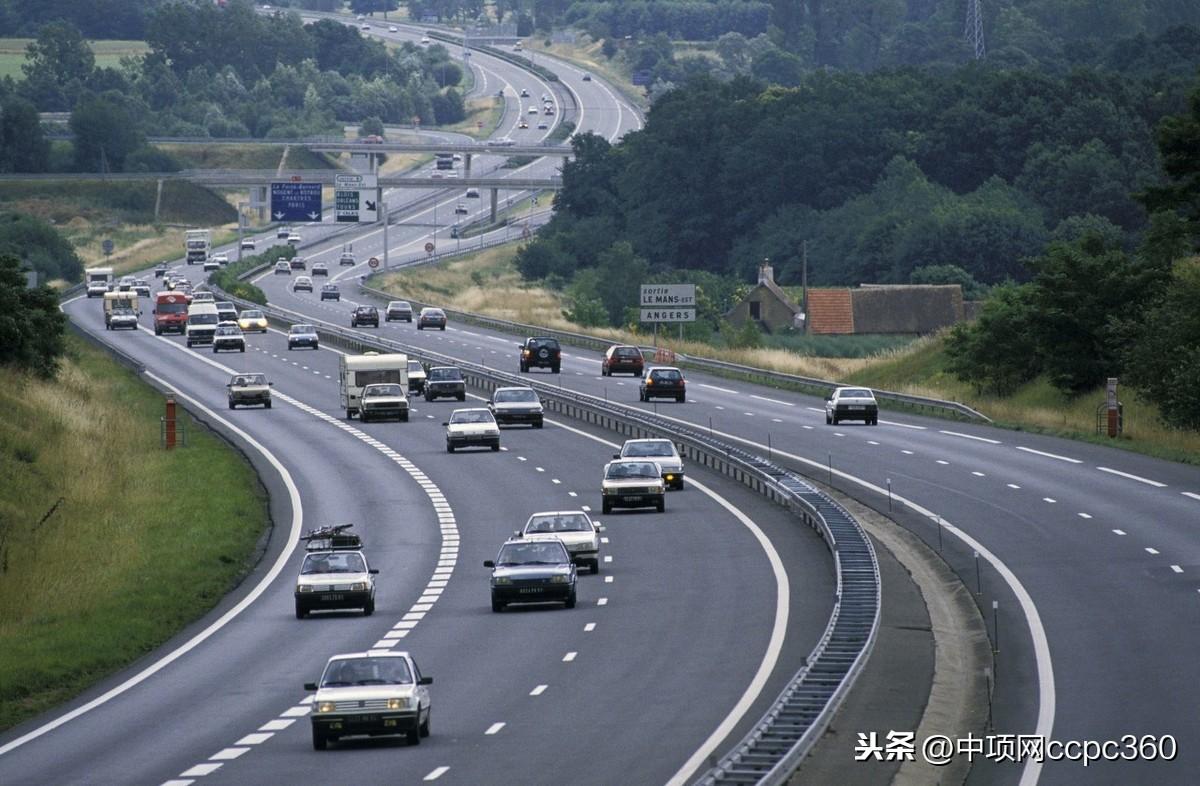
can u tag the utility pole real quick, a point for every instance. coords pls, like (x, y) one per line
(386, 221)
(973, 28)
(804, 282)
(241, 222)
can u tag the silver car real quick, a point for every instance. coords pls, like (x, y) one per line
(660, 451)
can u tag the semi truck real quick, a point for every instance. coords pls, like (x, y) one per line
(196, 244)
(357, 371)
(97, 280)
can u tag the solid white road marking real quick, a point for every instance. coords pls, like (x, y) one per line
(539, 690)
(570, 656)
(969, 436)
(1055, 456)
(495, 727)
(436, 773)
(1138, 478)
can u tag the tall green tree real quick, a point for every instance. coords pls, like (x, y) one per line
(106, 132)
(23, 145)
(31, 324)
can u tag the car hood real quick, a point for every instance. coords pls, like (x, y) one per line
(365, 692)
(385, 401)
(855, 400)
(668, 463)
(332, 579)
(530, 571)
(472, 428)
(250, 389)
(570, 539)
(517, 406)
(624, 483)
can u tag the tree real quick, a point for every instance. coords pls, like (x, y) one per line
(371, 126)
(948, 274)
(620, 274)
(448, 108)
(1179, 146)
(60, 54)
(31, 324)
(1163, 359)
(39, 244)
(23, 146)
(105, 133)
(998, 352)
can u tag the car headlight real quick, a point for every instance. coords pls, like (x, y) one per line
(606, 491)
(502, 580)
(397, 704)
(325, 706)
(358, 586)
(560, 579)
(669, 476)
(304, 588)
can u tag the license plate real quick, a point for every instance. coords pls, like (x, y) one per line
(530, 590)
(332, 596)
(857, 406)
(636, 498)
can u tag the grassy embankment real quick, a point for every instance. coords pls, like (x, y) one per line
(108, 54)
(488, 283)
(109, 544)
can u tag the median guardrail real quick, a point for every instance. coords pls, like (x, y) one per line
(801, 713)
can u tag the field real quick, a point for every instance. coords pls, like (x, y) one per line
(488, 283)
(108, 54)
(109, 544)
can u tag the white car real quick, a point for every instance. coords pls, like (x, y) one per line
(416, 376)
(293, 238)
(574, 528)
(365, 26)
(393, 29)
(633, 483)
(204, 297)
(424, 39)
(660, 451)
(383, 400)
(302, 282)
(228, 336)
(531, 110)
(503, 141)
(472, 427)
(211, 264)
(851, 404)
(220, 257)
(248, 244)
(461, 209)
(517, 405)
(370, 693)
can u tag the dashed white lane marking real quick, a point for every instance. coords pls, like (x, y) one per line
(776, 420)
(229, 754)
(718, 406)
(256, 738)
(901, 425)
(943, 462)
(436, 773)
(1055, 456)
(969, 436)
(906, 452)
(608, 579)
(178, 783)
(1085, 515)
(872, 442)
(570, 656)
(773, 400)
(748, 414)
(495, 727)
(602, 602)
(556, 481)
(1191, 494)
(540, 469)
(295, 712)
(1012, 485)
(714, 387)
(200, 769)
(572, 494)
(539, 690)
(978, 474)
(1138, 478)
(1051, 500)
(807, 428)
(588, 628)
(603, 539)
(838, 434)
(1177, 569)
(522, 458)
(608, 558)
(279, 724)
(1118, 532)
(1151, 551)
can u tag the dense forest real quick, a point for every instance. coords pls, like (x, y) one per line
(221, 72)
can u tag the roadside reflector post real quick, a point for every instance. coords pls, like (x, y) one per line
(169, 422)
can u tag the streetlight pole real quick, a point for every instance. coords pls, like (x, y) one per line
(386, 221)
(241, 220)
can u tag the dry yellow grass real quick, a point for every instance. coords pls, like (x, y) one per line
(138, 246)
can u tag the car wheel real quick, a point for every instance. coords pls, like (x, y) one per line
(301, 612)
(835, 420)
(828, 420)
(403, 417)
(680, 399)
(232, 405)
(316, 346)
(369, 609)
(875, 421)
(362, 417)
(595, 566)
(349, 414)
(461, 396)
(419, 326)
(661, 506)
(555, 368)
(496, 448)
(642, 396)
(606, 507)
(537, 424)
(425, 726)
(267, 405)
(319, 739)
(603, 372)
(443, 327)
(497, 606)
(449, 448)
(570, 602)
(243, 347)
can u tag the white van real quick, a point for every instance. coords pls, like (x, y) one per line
(357, 371)
(202, 323)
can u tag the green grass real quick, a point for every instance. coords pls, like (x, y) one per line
(247, 156)
(108, 54)
(123, 201)
(483, 117)
(139, 544)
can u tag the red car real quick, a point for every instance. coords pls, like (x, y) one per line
(620, 359)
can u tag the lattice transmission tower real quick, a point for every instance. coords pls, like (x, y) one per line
(973, 30)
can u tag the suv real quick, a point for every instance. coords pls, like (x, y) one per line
(574, 528)
(383, 400)
(663, 382)
(335, 573)
(303, 336)
(249, 389)
(619, 359)
(445, 381)
(398, 309)
(633, 483)
(364, 315)
(540, 353)
(851, 404)
(532, 571)
(371, 693)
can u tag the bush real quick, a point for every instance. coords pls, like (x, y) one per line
(227, 277)
(31, 334)
(151, 159)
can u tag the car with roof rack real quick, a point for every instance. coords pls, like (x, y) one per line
(334, 573)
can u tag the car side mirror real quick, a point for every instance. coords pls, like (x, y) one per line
(425, 681)
(154, 311)
(228, 384)
(271, 384)
(616, 455)
(487, 563)
(310, 686)
(373, 571)
(599, 527)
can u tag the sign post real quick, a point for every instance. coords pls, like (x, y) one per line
(356, 199)
(296, 202)
(1113, 405)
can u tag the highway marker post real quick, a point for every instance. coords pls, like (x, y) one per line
(169, 423)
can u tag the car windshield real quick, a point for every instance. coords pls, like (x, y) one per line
(658, 447)
(399, 305)
(229, 331)
(305, 329)
(667, 374)
(626, 353)
(336, 562)
(203, 319)
(414, 366)
(558, 522)
(538, 343)
(242, 380)
(631, 469)
(501, 396)
(366, 671)
(172, 308)
(856, 393)
(252, 315)
(472, 416)
(383, 390)
(532, 553)
(443, 373)
(123, 312)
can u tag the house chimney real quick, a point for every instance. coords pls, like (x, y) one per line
(766, 274)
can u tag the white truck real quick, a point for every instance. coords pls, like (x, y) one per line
(196, 243)
(97, 280)
(357, 371)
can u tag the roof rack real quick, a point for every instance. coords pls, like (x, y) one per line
(331, 538)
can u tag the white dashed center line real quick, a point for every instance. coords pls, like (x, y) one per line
(773, 400)
(436, 773)
(602, 602)
(714, 387)
(1085, 515)
(1177, 569)
(588, 628)
(1012, 485)
(539, 690)
(907, 452)
(1051, 500)
(978, 474)
(1118, 532)
(495, 727)
(943, 462)
(1151, 551)
(570, 656)
(1138, 478)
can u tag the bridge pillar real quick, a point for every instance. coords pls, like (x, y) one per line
(467, 165)
(495, 198)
